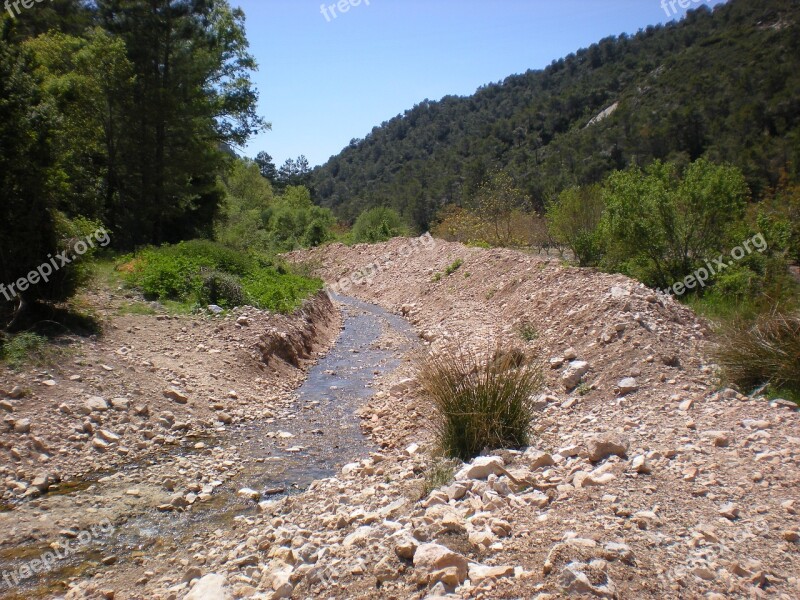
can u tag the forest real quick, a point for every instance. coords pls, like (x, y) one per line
(722, 85)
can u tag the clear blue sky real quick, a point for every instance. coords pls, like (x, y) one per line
(324, 81)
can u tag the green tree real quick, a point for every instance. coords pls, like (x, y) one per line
(573, 219)
(658, 225)
(192, 98)
(378, 224)
(88, 80)
(33, 231)
(496, 203)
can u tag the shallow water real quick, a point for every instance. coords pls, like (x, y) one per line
(326, 432)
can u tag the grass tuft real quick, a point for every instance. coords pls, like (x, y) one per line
(439, 474)
(480, 402)
(764, 351)
(23, 349)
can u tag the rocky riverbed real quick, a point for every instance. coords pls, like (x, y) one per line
(645, 479)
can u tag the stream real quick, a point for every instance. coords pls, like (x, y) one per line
(319, 435)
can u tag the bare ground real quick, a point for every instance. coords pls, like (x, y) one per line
(698, 499)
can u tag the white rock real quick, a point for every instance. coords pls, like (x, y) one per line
(574, 373)
(627, 386)
(209, 587)
(248, 494)
(481, 468)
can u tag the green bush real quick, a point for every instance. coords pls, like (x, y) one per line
(573, 220)
(253, 218)
(378, 224)
(457, 264)
(201, 271)
(480, 403)
(280, 292)
(23, 348)
(659, 225)
(222, 289)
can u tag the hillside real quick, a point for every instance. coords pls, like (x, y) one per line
(722, 84)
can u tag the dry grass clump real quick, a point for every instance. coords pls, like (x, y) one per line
(480, 402)
(764, 351)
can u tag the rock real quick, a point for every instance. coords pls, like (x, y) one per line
(405, 546)
(108, 436)
(603, 446)
(209, 587)
(22, 426)
(243, 321)
(619, 292)
(641, 466)
(350, 468)
(100, 445)
(43, 481)
(627, 386)
(704, 573)
(386, 570)
(215, 309)
(359, 537)
(729, 511)
(538, 459)
(481, 468)
(574, 373)
(6, 406)
(96, 404)
(412, 449)
(120, 404)
(618, 551)
(249, 494)
(176, 395)
(431, 560)
(574, 581)
(791, 536)
(478, 573)
(401, 387)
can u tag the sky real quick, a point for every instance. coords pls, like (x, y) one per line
(326, 78)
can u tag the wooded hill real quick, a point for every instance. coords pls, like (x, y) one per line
(721, 84)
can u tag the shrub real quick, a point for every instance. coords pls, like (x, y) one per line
(573, 220)
(378, 224)
(659, 225)
(480, 403)
(457, 264)
(270, 289)
(764, 351)
(222, 289)
(23, 348)
(201, 271)
(528, 331)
